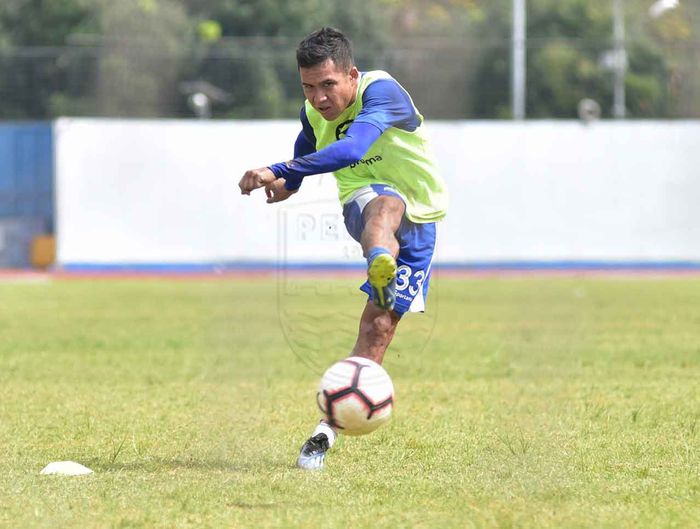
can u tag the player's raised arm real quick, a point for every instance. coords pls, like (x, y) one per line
(342, 153)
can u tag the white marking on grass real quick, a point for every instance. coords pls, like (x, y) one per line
(66, 468)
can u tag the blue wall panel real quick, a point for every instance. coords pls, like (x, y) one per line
(26, 189)
(26, 171)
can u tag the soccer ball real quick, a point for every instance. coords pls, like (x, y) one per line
(356, 395)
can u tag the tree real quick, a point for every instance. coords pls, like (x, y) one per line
(254, 58)
(143, 45)
(29, 32)
(677, 34)
(130, 57)
(567, 43)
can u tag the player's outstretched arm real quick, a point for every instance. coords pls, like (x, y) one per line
(256, 178)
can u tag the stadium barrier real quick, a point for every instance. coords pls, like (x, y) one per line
(163, 194)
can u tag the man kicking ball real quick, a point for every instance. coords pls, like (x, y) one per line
(364, 128)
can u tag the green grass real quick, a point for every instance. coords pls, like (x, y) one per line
(533, 402)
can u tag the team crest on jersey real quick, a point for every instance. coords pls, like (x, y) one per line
(342, 129)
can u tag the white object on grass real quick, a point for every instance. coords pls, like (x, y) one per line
(66, 468)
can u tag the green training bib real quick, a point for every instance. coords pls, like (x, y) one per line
(398, 158)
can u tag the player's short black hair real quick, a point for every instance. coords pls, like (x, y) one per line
(326, 43)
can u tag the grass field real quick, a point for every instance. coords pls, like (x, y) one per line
(521, 402)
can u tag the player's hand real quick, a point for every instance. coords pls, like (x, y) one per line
(276, 192)
(256, 178)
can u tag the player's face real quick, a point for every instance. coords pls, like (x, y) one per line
(329, 88)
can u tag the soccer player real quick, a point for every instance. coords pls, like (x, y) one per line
(364, 127)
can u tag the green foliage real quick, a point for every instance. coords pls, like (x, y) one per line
(566, 43)
(144, 43)
(130, 58)
(560, 77)
(254, 61)
(573, 19)
(646, 95)
(29, 80)
(41, 22)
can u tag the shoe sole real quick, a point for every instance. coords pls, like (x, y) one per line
(310, 464)
(381, 272)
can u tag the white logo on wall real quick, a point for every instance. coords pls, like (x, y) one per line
(320, 311)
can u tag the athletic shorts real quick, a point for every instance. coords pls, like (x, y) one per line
(416, 247)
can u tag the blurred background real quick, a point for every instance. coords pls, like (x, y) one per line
(510, 62)
(144, 58)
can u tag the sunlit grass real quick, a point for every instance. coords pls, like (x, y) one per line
(535, 402)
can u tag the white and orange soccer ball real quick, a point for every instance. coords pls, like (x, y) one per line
(356, 395)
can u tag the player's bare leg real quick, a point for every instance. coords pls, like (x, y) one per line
(377, 328)
(382, 217)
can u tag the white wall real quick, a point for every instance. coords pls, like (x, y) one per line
(166, 192)
(562, 190)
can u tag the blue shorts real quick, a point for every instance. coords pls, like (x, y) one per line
(416, 247)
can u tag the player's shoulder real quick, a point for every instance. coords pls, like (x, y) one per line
(382, 88)
(376, 75)
(379, 82)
